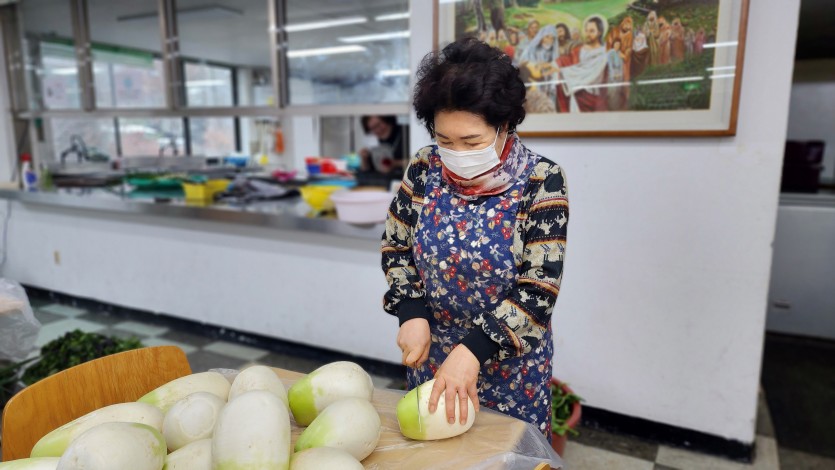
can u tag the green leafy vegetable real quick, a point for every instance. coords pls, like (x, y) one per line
(74, 348)
(561, 406)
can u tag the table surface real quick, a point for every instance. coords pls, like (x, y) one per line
(490, 444)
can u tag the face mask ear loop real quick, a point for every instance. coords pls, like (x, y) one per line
(504, 144)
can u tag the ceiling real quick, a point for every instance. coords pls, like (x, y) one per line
(235, 32)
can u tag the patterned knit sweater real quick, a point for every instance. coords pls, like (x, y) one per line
(519, 323)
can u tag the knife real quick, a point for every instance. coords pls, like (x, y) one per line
(420, 418)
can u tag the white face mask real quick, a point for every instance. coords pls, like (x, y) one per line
(470, 163)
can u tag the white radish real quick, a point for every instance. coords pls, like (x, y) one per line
(317, 458)
(325, 385)
(252, 432)
(350, 424)
(416, 422)
(258, 378)
(194, 456)
(112, 446)
(164, 396)
(38, 463)
(55, 443)
(191, 419)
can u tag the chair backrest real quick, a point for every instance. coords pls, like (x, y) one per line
(58, 399)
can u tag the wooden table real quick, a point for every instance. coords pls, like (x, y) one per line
(490, 444)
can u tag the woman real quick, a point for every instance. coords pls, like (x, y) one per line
(475, 240)
(389, 158)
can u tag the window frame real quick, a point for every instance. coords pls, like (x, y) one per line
(174, 84)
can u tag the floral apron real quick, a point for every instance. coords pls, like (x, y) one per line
(464, 254)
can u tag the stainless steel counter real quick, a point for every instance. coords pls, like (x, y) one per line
(284, 214)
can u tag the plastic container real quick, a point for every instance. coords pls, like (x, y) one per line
(238, 161)
(28, 177)
(318, 197)
(312, 165)
(362, 207)
(204, 192)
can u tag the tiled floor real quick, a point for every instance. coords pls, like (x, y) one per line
(593, 449)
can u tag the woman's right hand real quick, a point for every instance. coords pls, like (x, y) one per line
(413, 339)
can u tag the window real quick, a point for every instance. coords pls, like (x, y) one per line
(212, 137)
(208, 85)
(151, 136)
(49, 55)
(226, 45)
(97, 135)
(128, 80)
(355, 52)
(127, 58)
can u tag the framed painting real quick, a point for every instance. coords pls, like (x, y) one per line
(614, 67)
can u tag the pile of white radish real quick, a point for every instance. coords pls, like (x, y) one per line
(202, 422)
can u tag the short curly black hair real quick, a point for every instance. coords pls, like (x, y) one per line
(469, 75)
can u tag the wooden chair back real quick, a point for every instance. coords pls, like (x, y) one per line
(58, 399)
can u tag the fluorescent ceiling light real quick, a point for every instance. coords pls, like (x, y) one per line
(670, 80)
(450, 1)
(324, 51)
(720, 44)
(392, 16)
(724, 75)
(292, 28)
(211, 11)
(375, 37)
(394, 73)
(62, 71)
(209, 82)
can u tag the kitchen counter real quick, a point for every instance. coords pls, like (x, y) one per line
(287, 214)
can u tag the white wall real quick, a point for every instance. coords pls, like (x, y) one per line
(812, 111)
(662, 310)
(313, 289)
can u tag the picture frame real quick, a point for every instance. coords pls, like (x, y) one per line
(679, 75)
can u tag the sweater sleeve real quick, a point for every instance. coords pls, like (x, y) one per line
(520, 322)
(406, 295)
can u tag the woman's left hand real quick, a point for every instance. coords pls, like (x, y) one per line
(456, 379)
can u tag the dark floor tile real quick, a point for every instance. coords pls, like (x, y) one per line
(103, 318)
(122, 334)
(192, 339)
(765, 427)
(796, 460)
(798, 376)
(622, 444)
(37, 302)
(201, 361)
(298, 364)
(46, 317)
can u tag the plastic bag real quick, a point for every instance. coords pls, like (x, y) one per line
(18, 326)
(495, 442)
